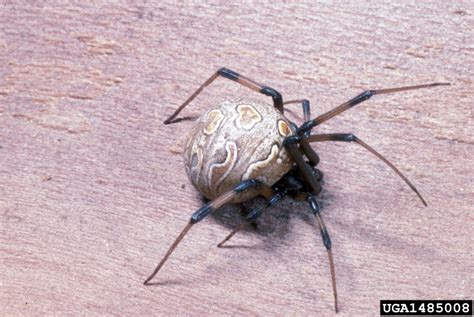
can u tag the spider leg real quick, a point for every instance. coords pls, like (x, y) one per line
(230, 74)
(254, 214)
(304, 144)
(291, 145)
(349, 137)
(357, 100)
(305, 105)
(205, 210)
(326, 241)
(309, 152)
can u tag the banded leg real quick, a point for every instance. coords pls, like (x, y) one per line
(357, 100)
(291, 145)
(349, 137)
(327, 244)
(254, 214)
(205, 210)
(247, 82)
(304, 104)
(308, 151)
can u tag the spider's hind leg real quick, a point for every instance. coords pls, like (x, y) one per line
(234, 76)
(201, 213)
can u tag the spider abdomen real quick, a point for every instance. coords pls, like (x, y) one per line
(235, 141)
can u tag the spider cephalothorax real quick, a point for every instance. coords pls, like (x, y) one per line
(244, 148)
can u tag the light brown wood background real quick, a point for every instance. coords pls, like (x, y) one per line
(93, 191)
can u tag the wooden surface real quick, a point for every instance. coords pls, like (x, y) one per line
(93, 191)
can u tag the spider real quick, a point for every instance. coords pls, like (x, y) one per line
(245, 148)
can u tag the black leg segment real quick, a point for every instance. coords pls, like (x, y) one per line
(303, 142)
(304, 104)
(291, 145)
(314, 206)
(327, 244)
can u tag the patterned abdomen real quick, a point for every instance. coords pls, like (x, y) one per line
(237, 140)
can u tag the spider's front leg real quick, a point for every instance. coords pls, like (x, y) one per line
(349, 137)
(201, 213)
(366, 95)
(291, 145)
(327, 244)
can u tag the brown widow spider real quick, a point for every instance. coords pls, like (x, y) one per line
(244, 148)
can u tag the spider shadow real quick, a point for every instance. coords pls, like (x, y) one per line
(168, 283)
(187, 280)
(273, 226)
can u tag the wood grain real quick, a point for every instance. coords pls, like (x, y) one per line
(93, 191)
